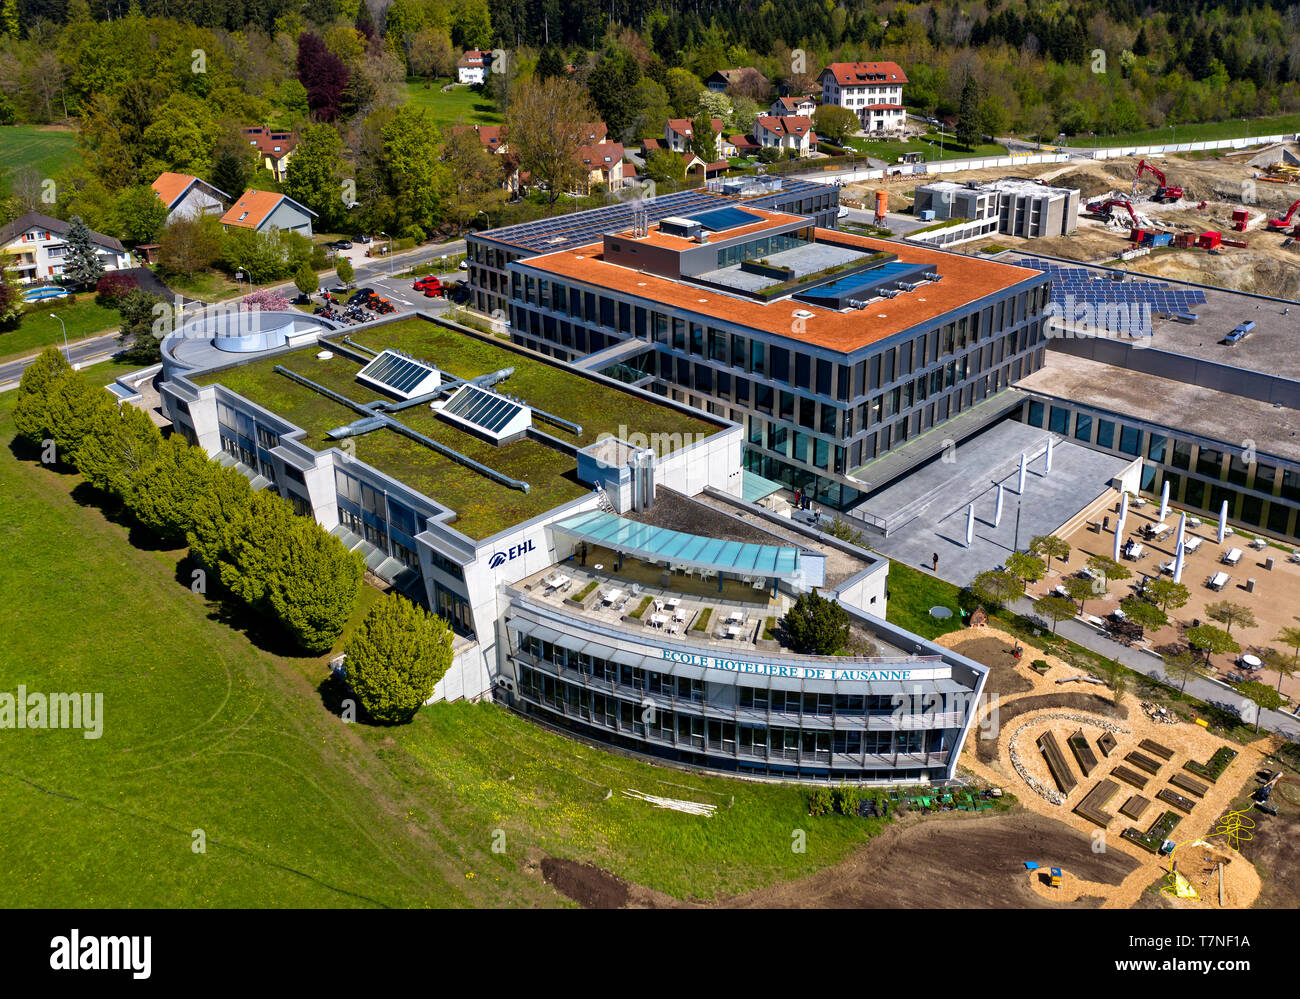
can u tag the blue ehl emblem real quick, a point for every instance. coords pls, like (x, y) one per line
(499, 559)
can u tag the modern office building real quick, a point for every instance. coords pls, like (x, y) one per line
(834, 351)
(596, 547)
(1011, 205)
(491, 252)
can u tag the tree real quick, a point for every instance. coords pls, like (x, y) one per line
(1049, 546)
(816, 626)
(1166, 594)
(476, 176)
(1117, 679)
(1264, 696)
(704, 140)
(137, 333)
(1227, 613)
(140, 213)
(550, 63)
(471, 24)
(82, 264)
(1109, 568)
(1143, 613)
(997, 588)
(432, 54)
(305, 279)
(343, 270)
(163, 491)
(1291, 638)
(1183, 665)
(612, 85)
(11, 302)
(414, 174)
(396, 658)
(1211, 640)
(546, 121)
(31, 412)
(744, 114)
(1082, 588)
(835, 124)
(317, 587)
(231, 167)
(968, 114)
(1055, 608)
(315, 175)
(122, 441)
(664, 167)
(684, 90)
(189, 245)
(218, 519)
(365, 21)
(324, 75)
(74, 408)
(1026, 567)
(652, 101)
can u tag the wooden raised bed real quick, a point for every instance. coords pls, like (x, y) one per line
(1143, 762)
(1213, 769)
(1177, 800)
(1057, 763)
(1184, 783)
(1135, 806)
(1156, 833)
(1129, 777)
(1083, 754)
(1155, 749)
(1095, 800)
(1107, 743)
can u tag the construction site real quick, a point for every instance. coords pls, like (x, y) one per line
(1230, 219)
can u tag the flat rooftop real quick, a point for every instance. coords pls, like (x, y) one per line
(1220, 416)
(483, 507)
(760, 220)
(962, 280)
(1272, 347)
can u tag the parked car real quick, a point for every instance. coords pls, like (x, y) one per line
(340, 244)
(464, 265)
(363, 240)
(843, 212)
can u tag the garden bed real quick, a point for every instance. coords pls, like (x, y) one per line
(1213, 769)
(1155, 836)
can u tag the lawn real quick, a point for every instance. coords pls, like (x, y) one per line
(459, 104)
(45, 148)
(930, 148)
(207, 286)
(1233, 128)
(211, 730)
(912, 592)
(484, 507)
(37, 330)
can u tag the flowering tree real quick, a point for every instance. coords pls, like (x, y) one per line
(266, 300)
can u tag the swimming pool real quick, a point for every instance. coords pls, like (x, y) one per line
(40, 294)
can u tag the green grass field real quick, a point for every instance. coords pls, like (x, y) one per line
(912, 592)
(929, 147)
(37, 330)
(1233, 128)
(45, 148)
(460, 104)
(208, 726)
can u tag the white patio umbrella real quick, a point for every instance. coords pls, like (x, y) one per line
(1178, 563)
(997, 508)
(1119, 533)
(1182, 530)
(1123, 506)
(1020, 487)
(1223, 520)
(1048, 466)
(970, 524)
(1164, 502)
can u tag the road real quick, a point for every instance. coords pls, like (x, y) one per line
(80, 353)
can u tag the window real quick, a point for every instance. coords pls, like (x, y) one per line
(1105, 433)
(1156, 447)
(1083, 427)
(1058, 419)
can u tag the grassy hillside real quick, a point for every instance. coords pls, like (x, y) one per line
(468, 104)
(45, 148)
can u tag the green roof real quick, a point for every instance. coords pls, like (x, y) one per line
(483, 507)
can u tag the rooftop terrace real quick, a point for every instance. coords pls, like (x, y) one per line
(483, 507)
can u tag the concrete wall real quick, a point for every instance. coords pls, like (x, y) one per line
(1113, 152)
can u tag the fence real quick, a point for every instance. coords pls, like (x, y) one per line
(843, 175)
(1112, 152)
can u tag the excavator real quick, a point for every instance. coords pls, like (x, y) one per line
(1105, 209)
(1280, 224)
(1164, 192)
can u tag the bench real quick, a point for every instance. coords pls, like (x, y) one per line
(1185, 783)
(1056, 763)
(1143, 762)
(1135, 806)
(1177, 800)
(1130, 777)
(1095, 800)
(1155, 749)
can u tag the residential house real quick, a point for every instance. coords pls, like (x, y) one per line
(188, 197)
(740, 145)
(275, 148)
(493, 139)
(472, 66)
(786, 132)
(678, 133)
(804, 106)
(604, 165)
(262, 211)
(743, 79)
(35, 246)
(871, 90)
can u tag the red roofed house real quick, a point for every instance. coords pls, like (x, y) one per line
(871, 90)
(804, 106)
(678, 132)
(472, 66)
(604, 164)
(788, 132)
(262, 211)
(274, 147)
(188, 197)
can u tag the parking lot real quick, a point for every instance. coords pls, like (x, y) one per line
(391, 279)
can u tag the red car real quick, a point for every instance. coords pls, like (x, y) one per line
(426, 280)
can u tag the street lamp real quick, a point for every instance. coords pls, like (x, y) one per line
(66, 356)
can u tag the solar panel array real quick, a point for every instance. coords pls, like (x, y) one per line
(397, 372)
(486, 410)
(724, 218)
(1080, 294)
(563, 232)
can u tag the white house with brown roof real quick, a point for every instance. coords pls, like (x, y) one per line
(188, 197)
(678, 133)
(472, 66)
(804, 106)
(871, 90)
(603, 162)
(262, 211)
(274, 148)
(36, 247)
(786, 132)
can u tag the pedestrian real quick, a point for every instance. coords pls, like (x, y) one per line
(935, 559)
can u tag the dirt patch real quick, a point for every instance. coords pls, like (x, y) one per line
(1004, 678)
(951, 862)
(986, 746)
(589, 886)
(1274, 849)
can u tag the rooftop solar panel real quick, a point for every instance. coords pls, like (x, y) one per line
(485, 410)
(401, 375)
(724, 218)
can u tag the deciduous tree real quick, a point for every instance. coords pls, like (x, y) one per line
(546, 122)
(396, 658)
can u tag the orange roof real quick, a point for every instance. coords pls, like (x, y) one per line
(853, 73)
(252, 208)
(963, 280)
(170, 186)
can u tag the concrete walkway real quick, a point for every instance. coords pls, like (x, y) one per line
(1218, 694)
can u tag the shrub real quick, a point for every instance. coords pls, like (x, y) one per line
(847, 800)
(113, 287)
(267, 300)
(819, 801)
(817, 626)
(414, 233)
(396, 658)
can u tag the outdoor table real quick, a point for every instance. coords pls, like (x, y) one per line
(658, 620)
(736, 616)
(679, 614)
(1219, 580)
(733, 630)
(1232, 556)
(614, 596)
(1251, 662)
(558, 581)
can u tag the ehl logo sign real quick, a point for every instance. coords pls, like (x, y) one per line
(510, 554)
